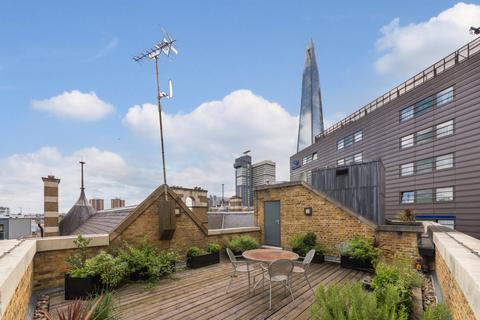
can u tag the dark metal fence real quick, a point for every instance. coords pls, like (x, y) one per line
(359, 187)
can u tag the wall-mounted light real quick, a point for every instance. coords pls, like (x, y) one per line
(307, 211)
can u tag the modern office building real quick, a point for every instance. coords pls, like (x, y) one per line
(4, 211)
(263, 172)
(426, 133)
(97, 204)
(117, 203)
(243, 179)
(311, 114)
(15, 228)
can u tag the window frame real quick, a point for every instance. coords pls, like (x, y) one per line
(429, 192)
(411, 144)
(452, 163)
(413, 197)
(426, 160)
(427, 104)
(446, 125)
(412, 164)
(452, 193)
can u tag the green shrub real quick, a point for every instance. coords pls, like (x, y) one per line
(146, 262)
(78, 258)
(242, 243)
(195, 252)
(401, 276)
(360, 248)
(437, 312)
(301, 243)
(213, 248)
(351, 302)
(105, 309)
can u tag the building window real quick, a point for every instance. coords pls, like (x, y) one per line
(406, 114)
(406, 141)
(407, 197)
(340, 162)
(427, 104)
(444, 96)
(424, 136)
(444, 162)
(444, 129)
(2, 234)
(424, 196)
(350, 140)
(309, 158)
(406, 169)
(424, 166)
(314, 156)
(447, 221)
(444, 194)
(358, 157)
(354, 158)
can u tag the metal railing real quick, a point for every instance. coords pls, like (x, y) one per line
(431, 72)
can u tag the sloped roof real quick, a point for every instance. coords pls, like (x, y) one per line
(77, 215)
(104, 221)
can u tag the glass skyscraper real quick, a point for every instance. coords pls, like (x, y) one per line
(311, 115)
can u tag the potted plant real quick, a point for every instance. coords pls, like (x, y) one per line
(145, 263)
(358, 253)
(239, 244)
(302, 243)
(197, 258)
(79, 282)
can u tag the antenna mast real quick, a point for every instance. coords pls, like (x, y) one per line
(164, 46)
(82, 163)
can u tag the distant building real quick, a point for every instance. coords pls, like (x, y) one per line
(117, 203)
(263, 172)
(15, 228)
(97, 204)
(243, 179)
(4, 211)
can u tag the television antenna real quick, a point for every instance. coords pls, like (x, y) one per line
(166, 47)
(474, 30)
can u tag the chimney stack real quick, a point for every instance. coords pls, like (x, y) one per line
(50, 205)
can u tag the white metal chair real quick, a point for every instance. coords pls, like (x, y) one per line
(240, 267)
(304, 266)
(278, 271)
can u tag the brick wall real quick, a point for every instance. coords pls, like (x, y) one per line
(18, 305)
(452, 294)
(330, 222)
(403, 245)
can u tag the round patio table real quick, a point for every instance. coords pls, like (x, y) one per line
(269, 255)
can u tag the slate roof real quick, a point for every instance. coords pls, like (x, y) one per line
(104, 221)
(77, 215)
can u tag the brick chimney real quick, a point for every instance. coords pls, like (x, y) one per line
(50, 205)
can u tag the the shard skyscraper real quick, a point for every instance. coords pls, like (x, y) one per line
(311, 114)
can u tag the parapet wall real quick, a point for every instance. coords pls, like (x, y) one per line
(457, 265)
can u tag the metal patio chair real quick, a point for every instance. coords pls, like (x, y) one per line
(278, 271)
(304, 266)
(245, 267)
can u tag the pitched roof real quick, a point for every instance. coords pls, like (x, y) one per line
(104, 221)
(77, 215)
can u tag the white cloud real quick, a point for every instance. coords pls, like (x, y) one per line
(107, 175)
(406, 50)
(75, 105)
(202, 145)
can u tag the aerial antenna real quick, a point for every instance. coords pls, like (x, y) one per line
(166, 47)
(474, 30)
(82, 163)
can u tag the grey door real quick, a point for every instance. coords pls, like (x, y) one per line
(272, 223)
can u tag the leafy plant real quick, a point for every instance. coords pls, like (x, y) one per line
(78, 258)
(195, 252)
(301, 243)
(146, 262)
(399, 275)
(100, 308)
(351, 302)
(437, 312)
(407, 215)
(111, 270)
(213, 248)
(242, 243)
(360, 248)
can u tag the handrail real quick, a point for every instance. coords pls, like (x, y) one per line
(431, 72)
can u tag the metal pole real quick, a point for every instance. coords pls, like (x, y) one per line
(223, 201)
(161, 129)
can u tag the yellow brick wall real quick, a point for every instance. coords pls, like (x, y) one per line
(401, 245)
(452, 294)
(18, 306)
(331, 224)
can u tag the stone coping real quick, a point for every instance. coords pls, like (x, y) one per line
(461, 254)
(213, 232)
(66, 242)
(16, 257)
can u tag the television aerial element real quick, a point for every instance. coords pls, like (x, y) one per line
(474, 30)
(165, 46)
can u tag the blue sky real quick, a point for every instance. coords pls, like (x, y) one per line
(49, 48)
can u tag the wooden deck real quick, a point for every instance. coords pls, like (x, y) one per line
(201, 294)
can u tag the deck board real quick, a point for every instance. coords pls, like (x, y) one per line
(201, 294)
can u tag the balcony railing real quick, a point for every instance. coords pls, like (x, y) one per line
(431, 72)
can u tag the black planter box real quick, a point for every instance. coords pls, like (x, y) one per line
(203, 260)
(138, 276)
(318, 258)
(81, 288)
(356, 264)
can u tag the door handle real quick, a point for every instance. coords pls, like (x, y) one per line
(277, 221)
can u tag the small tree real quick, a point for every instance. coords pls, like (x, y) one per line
(77, 260)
